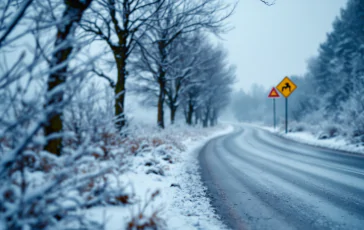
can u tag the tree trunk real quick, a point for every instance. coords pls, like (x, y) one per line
(205, 123)
(71, 15)
(161, 98)
(215, 117)
(205, 120)
(120, 89)
(162, 82)
(185, 114)
(173, 113)
(120, 55)
(197, 117)
(190, 113)
(212, 118)
(212, 122)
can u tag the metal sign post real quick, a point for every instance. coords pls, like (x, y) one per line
(274, 113)
(286, 87)
(286, 115)
(274, 94)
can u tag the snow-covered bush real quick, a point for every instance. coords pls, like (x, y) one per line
(297, 126)
(329, 131)
(41, 191)
(142, 220)
(38, 189)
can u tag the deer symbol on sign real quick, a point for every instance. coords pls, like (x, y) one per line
(287, 86)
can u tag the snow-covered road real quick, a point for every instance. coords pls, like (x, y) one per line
(257, 180)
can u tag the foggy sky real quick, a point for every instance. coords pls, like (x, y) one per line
(268, 43)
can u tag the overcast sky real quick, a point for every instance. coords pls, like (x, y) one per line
(268, 43)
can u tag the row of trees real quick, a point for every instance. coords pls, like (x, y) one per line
(150, 32)
(331, 92)
(197, 80)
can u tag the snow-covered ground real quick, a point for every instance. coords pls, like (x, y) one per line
(164, 178)
(336, 143)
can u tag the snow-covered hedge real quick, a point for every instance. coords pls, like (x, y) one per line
(147, 179)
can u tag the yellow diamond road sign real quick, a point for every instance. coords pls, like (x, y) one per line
(286, 87)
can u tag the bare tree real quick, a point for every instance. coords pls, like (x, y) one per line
(120, 23)
(72, 15)
(188, 58)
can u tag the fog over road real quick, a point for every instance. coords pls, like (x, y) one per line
(257, 180)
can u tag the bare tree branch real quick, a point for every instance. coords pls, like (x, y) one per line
(15, 20)
(268, 3)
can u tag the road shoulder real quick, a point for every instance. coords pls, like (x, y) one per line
(332, 144)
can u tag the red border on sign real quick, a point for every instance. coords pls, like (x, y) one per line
(273, 93)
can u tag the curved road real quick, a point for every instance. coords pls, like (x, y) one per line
(257, 180)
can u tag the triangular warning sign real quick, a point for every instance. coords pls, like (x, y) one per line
(273, 93)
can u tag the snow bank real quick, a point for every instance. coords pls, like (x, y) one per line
(164, 163)
(306, 137)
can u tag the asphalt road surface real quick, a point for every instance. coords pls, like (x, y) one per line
(257, 180)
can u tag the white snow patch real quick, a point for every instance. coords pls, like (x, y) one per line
(184, 205)
(335, 143)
